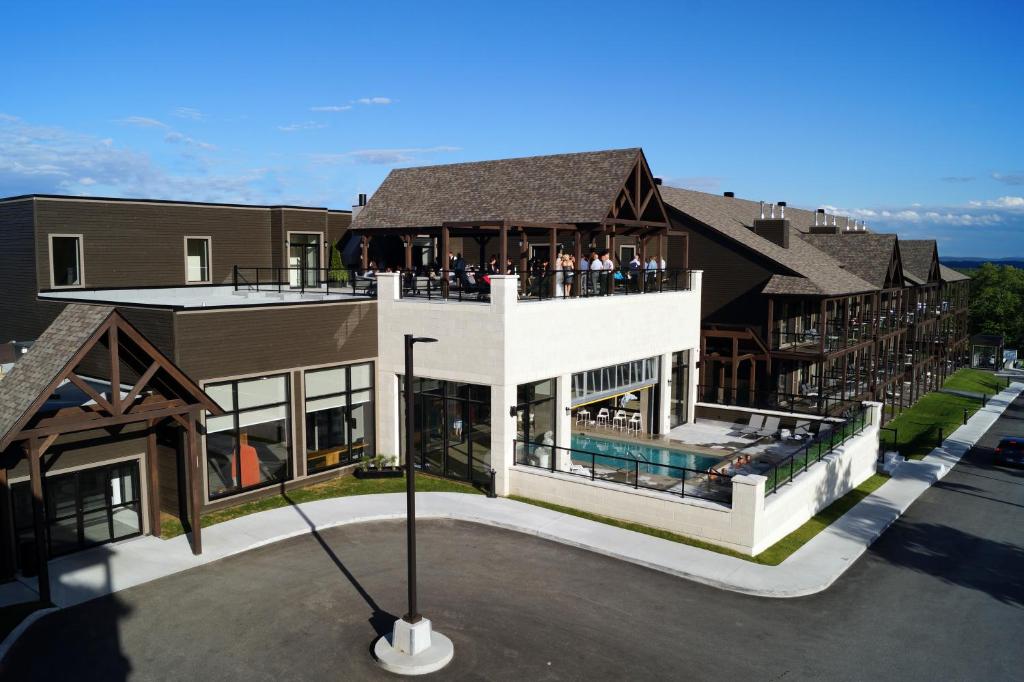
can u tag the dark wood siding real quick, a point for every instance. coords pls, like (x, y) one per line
(732, 280)
(17, 272)
(337, 226)
(89, 448)
(226, 343)
(137, 244)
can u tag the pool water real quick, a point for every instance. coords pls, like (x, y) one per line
(653, 454)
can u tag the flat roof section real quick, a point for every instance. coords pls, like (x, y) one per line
(199, 297)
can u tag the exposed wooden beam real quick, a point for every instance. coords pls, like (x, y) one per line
(140, 384)
(39, 520)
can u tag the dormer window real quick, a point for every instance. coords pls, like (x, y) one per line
(65, 261)
(197, 260)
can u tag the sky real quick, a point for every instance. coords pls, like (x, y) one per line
(909, 115)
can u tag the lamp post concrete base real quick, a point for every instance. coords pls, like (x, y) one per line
(413, 649)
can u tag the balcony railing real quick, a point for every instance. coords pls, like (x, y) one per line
(538, 286)
(834, 337)
(810, 401)
(305, 280)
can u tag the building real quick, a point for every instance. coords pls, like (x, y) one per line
(811, 311)
(222, 352)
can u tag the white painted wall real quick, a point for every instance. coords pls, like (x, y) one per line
(505, 342)
(751, 525)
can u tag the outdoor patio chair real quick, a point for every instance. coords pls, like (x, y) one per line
(755, 424)
(634, 423)
(619, 420)
(603, 416)
(771, 426)
(802, 430)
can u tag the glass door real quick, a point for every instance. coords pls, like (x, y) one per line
(304, 260)
(432, 433)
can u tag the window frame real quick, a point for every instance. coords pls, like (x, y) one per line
(347, 393)
(209, 260)
(81, 260)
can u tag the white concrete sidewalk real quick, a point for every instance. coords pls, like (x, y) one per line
(103, 570)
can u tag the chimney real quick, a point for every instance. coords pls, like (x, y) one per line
(782, 206)
(357, 209)
(657, 181)
(775, 230)
(729, 195)
(821, 225)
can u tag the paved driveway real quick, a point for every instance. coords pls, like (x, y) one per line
(939, 596)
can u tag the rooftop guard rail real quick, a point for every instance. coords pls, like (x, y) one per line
(815, 449)
(627, 471)
(473, 284)
(303, 280)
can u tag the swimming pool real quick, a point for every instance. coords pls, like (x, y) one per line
(653, 454)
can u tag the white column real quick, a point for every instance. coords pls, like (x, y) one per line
(665, 403)
(748, 510)
(694, 379)
(504, 293)
(503, 432)
(563, 420)
(387, 427)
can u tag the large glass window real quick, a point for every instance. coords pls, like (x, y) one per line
(83, 508)
(603, 382)
(66, 260)
(452, 428)
(248, 446)
(197, 260)
(535, 412)
(339, 416)
(679, 388)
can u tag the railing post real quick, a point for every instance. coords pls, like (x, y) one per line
(234, 276)
(593, 466)
(492, 491)
(636, 473)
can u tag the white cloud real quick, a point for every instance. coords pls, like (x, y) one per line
(918, 214)
(143, 122)
(52, 160)
(175, 137)
(381, 156)
(1001, 202)
(375, 100)
(1009, 178)
(189, 113)
(304, 125)
(332, 107)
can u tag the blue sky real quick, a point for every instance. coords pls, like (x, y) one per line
(908, 115)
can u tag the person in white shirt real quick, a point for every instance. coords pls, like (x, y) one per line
(608, 265)
(596, 267)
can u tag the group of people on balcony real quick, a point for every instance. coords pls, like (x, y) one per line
(595, 275)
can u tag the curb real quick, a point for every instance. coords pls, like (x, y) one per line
(24, 625)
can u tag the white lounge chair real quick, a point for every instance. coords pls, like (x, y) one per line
(603, 416)
(755, 424)
(619, 420)
(771, 426)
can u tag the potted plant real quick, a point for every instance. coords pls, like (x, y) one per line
(380, 466)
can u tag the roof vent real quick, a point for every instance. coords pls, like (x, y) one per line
(657, 181)
(362, 199)
(821, 225)
(729, 195)
(359, 206)
(782, 208)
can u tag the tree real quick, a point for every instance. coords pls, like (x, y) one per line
(997, 302)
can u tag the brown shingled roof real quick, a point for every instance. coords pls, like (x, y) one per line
(822, 274)
(46, 359)
(950, 275)
(918, 256)
(563, 188)
(866, 254)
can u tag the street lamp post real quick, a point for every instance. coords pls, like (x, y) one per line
(414, 648)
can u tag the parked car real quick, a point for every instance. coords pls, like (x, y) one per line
(1010, 451)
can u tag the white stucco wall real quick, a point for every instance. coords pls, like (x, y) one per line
(507, 342)
(753, 522)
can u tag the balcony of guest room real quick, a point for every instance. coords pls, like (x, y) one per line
(816, 326)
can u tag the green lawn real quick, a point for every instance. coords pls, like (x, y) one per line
(917, 429)
(975, 380)
(344, 486)
(772, 556)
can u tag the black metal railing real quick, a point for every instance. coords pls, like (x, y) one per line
(475, 284)
(305, 280)
(707, 484)
(831, 338)
(812, 452)
(810, 401)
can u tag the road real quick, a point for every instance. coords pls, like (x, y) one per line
(939, 596)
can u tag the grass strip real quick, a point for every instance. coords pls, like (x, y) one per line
(343, 486)
(921, 428)
(773, 556)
